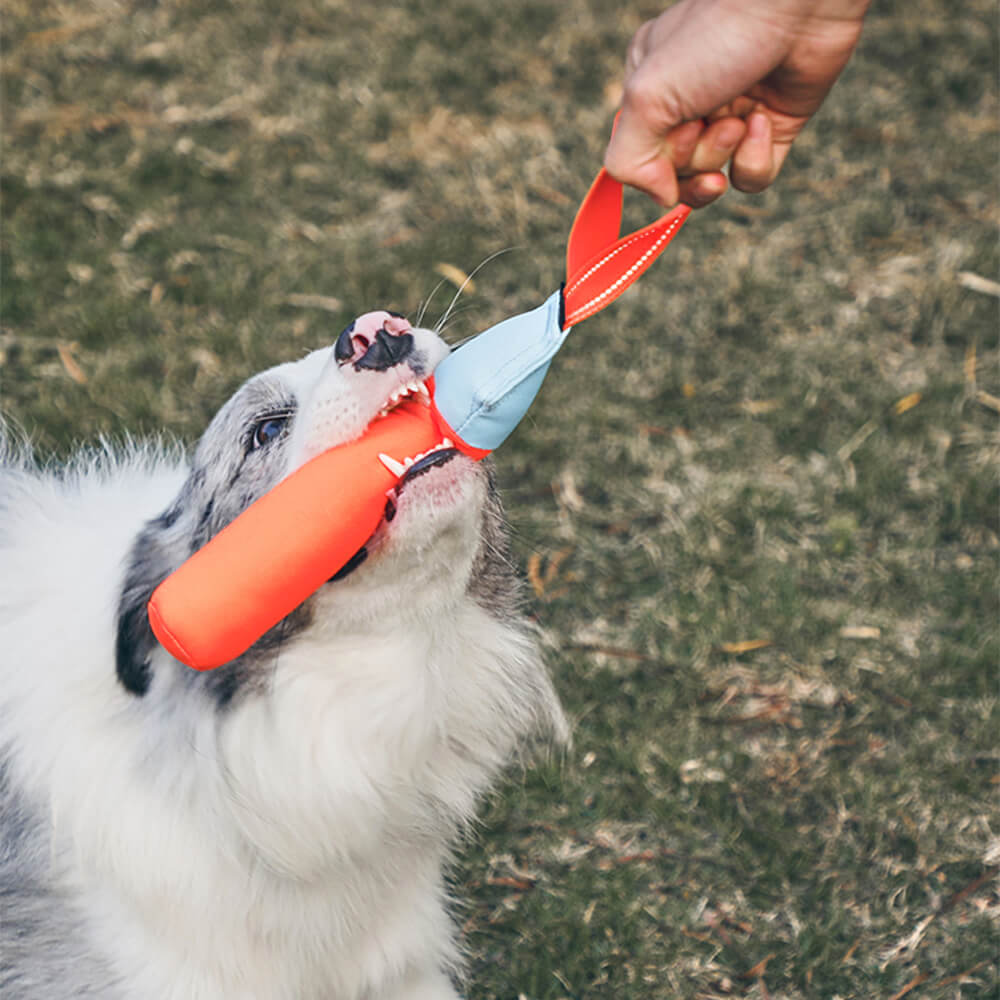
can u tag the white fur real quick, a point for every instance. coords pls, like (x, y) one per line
(290, 845)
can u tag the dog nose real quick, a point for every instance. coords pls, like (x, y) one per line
(376, 341)
(387, 350)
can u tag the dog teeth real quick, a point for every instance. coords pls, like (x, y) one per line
(399, 469)
(396, 468)
(417, 389)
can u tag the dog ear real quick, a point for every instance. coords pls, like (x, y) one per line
(148, 567)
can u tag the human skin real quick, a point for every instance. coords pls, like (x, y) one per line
(716, 82)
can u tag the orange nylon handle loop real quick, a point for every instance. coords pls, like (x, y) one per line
(599, 266)
(597, 224)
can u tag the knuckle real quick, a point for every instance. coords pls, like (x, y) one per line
(637, 95)
(644, 97)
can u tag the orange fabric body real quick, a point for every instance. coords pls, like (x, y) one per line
(285, 546)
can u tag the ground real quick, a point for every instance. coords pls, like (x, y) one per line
(756, 501)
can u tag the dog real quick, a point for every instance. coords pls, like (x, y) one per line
(279, 828)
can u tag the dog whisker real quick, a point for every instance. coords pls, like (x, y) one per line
(426, 303)
(492, 257)
(454, 316)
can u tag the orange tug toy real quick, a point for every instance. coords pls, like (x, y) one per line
(296, 537)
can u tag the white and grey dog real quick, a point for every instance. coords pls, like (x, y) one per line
(278, 828)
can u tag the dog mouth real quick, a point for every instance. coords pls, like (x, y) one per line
(419, 466)
(407, 470)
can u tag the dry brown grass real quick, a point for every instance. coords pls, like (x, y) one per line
(757, 501)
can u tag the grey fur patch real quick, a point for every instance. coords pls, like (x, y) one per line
(227, 475)
(36, 919)
(494, 582)
(228, 472)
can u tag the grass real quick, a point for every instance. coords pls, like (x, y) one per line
(757, 500)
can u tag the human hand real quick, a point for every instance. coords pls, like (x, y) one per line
(711, 82)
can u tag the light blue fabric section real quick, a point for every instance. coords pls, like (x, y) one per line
(485, 387)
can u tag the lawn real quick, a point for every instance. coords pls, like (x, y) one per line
(756, 501)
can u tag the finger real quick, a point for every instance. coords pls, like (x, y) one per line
(634, 159)
(779, 151)
(680, 143)
(753, 167)
(645, 158)
(740, 107)
(702, 189)
(716, 146)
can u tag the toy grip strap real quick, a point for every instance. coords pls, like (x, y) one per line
(599, 265)
(486, 387)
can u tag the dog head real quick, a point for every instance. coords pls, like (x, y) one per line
(442, 538)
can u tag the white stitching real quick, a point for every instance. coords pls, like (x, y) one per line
(604, 260)
(617, 250)
(623, 277)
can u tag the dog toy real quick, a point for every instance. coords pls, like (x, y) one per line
(300, 534)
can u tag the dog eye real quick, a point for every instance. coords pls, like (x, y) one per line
(267, 430)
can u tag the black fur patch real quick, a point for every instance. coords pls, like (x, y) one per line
(224, 682)
(147, 568)
(204, 531)
(169, 517)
